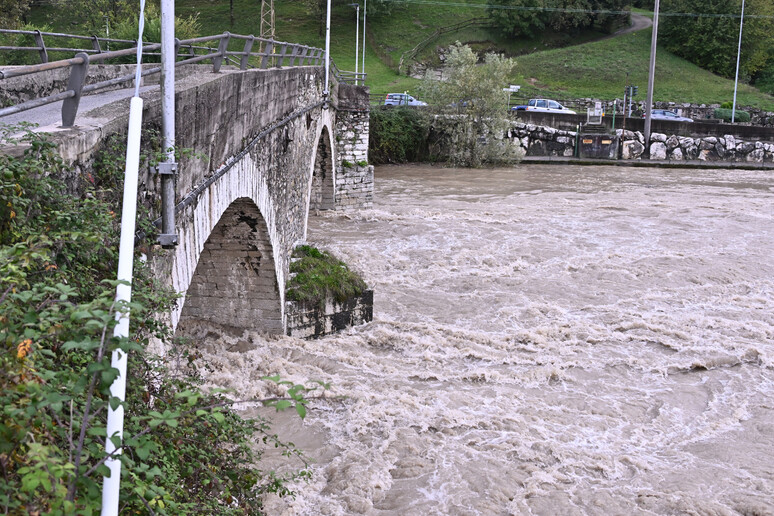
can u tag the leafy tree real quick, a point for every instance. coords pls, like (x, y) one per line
(476, 135)
(520, 18)
(528, 18)
(12, 13)
(706, 33)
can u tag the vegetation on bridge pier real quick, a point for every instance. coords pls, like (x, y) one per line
(185, 451)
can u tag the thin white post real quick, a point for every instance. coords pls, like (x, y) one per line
(738, 53)
(326, 91)
(365, 13)
(651, 74)
(357, 35)
(111, 486)
(115, 421)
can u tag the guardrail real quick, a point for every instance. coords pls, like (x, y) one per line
(272, 54)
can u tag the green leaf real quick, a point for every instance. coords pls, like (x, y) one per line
(301, 410)
(282, 405)
(143, 453)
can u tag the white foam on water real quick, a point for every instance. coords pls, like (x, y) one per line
(547, 340)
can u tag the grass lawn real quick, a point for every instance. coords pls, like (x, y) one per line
(594, 69)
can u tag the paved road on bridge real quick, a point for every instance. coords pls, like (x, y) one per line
(51, 114)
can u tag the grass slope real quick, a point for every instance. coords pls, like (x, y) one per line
(599, 70)
(592, 69)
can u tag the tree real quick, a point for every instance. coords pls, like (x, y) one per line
(12, 13)
(476, 135)
(706, 33)
(527, 18)
(519, 17)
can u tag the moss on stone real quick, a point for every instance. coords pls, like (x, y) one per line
(317, 275)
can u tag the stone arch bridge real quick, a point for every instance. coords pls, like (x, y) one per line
(268, 148)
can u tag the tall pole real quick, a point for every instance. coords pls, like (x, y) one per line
(357, 36)
(326, 90)
(651, 74)
(738, 52)
(365, 13)
(168, 169)
(111, 485)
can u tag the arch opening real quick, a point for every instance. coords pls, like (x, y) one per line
(235, 281)
(321, 196)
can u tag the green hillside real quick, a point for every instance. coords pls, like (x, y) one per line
(595, 69)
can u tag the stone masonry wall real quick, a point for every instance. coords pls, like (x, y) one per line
(235, 274)
(305, 321)
(537, 140)
(354, 176)
(709, 148)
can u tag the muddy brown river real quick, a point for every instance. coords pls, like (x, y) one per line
(548, 340)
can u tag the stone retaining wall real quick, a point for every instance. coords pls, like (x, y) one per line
(537, 140)
(312, 321)
(680, 148)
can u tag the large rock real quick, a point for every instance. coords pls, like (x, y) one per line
(632, 149)
(676, 155)
(658, 150)
(755, 156)
(658, 137)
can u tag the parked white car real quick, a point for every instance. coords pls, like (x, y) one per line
(402, 99)
(547, 106)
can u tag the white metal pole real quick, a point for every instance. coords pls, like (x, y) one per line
(326, 91)
(738, 53)
(651, 74)
(357, 35)
(365, 13)
(115, 420)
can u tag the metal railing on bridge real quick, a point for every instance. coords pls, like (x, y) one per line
(271, 54)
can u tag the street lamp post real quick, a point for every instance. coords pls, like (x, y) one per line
(738, 52)
(651, 74)
(365, 13)
(357, 35)
(326, 90)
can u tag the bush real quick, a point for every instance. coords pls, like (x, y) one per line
(397, 135)
(184, 451)
(22, 57)
(725, 115)
(317, 275)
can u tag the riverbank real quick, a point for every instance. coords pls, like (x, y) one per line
(692, 164)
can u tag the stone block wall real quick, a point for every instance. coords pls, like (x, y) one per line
(681, 148)
(354, 176)
(543, 141)
(312, 321)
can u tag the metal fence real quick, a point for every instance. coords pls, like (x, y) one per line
(270, 54)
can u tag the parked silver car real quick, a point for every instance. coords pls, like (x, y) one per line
(402, 99)
(665, 114)
(547, 106)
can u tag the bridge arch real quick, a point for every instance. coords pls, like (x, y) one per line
(235, 280)
(322, 175)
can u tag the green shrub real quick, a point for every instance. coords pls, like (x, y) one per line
(397, 135)
(317, 275)
(184, 452)
(23, 57)
(725, 115)
(727, 105)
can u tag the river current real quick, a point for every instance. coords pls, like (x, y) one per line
(547, 340)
